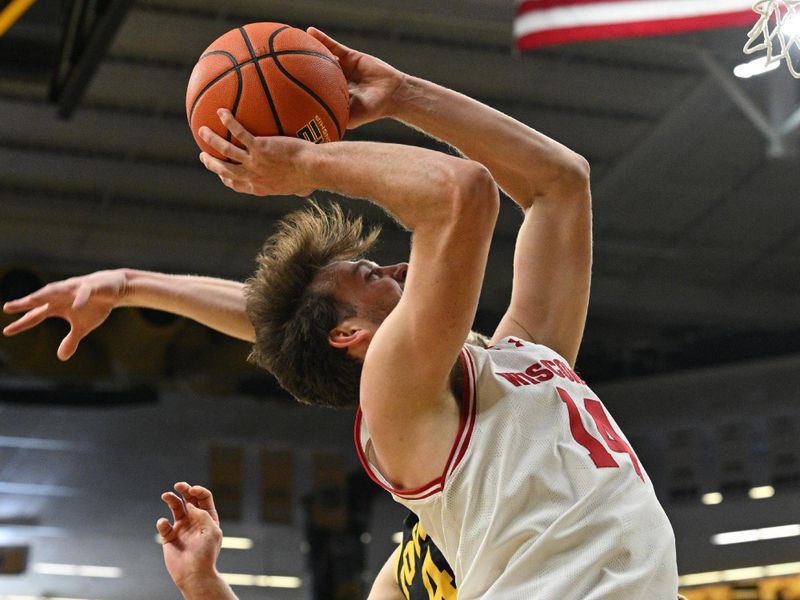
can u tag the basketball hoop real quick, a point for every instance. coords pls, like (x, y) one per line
(778, 32)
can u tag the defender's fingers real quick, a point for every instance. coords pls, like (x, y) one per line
(28, 320)
(223, 146)
(165, 530)
(181, 486)
(17, 306)
(338, 50)
(203, 495)
(205, 500)
(237, 129)
(175, 504)
(28, 302)
(69, 345)
(187, 498)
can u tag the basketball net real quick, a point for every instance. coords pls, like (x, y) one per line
(778, 32)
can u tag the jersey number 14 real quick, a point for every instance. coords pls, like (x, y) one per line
(601, 457)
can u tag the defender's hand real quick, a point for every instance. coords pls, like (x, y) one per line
(371, 81)
(267, 166)
(84, 302)
(192, 542)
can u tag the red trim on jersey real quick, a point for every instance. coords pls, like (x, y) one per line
(468, 409)
(469, 405)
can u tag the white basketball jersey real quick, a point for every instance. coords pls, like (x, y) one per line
(542, 497)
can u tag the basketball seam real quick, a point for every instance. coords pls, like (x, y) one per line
(277, 53)
(263, 81)
(238, 72)
(299, 83)
(237, 67)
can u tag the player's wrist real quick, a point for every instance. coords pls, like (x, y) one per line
(401, 97)
(129, 288)
(308, 160)
(204, 584)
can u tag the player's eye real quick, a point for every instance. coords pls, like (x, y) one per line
(373, 274)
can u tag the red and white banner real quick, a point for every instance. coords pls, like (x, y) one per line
(547, 22)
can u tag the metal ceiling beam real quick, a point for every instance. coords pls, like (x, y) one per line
(87, 36)
(681, 124)
(775, 130)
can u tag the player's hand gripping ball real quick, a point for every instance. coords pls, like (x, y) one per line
(275, 79)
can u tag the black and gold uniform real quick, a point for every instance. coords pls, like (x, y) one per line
(421, 571)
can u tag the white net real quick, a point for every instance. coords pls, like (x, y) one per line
(777, 32)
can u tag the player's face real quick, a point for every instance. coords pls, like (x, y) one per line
(373, 290)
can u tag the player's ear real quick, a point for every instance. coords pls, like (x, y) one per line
(348, 335)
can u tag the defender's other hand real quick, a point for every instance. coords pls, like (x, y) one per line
(84, 302)
(192, 542)
(371, 81)
(267, 166)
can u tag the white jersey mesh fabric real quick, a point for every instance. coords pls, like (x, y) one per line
(529, 507)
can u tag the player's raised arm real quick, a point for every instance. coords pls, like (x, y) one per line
(86, 301)
(450, 204)
(552, 260)
(546, 179)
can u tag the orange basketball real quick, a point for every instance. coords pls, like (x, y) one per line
(275, 79)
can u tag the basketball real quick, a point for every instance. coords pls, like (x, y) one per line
(275, 79)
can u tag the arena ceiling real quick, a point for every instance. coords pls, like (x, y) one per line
(697, 225)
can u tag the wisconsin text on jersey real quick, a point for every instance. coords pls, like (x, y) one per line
(539, 371)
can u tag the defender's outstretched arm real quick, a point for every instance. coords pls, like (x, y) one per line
(86, 301)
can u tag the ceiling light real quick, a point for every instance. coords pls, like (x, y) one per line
(9, 530)
(397, 537)
(14, 597)
(761, 492)
(755, 535)
(228, 542)
(30, 443)
(710, 577)
(755, 67)
(711, 498)
(237, 543)
(36, 489)
(275, 581)
(77, 570)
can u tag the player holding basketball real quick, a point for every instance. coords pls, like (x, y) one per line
(509, 460)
